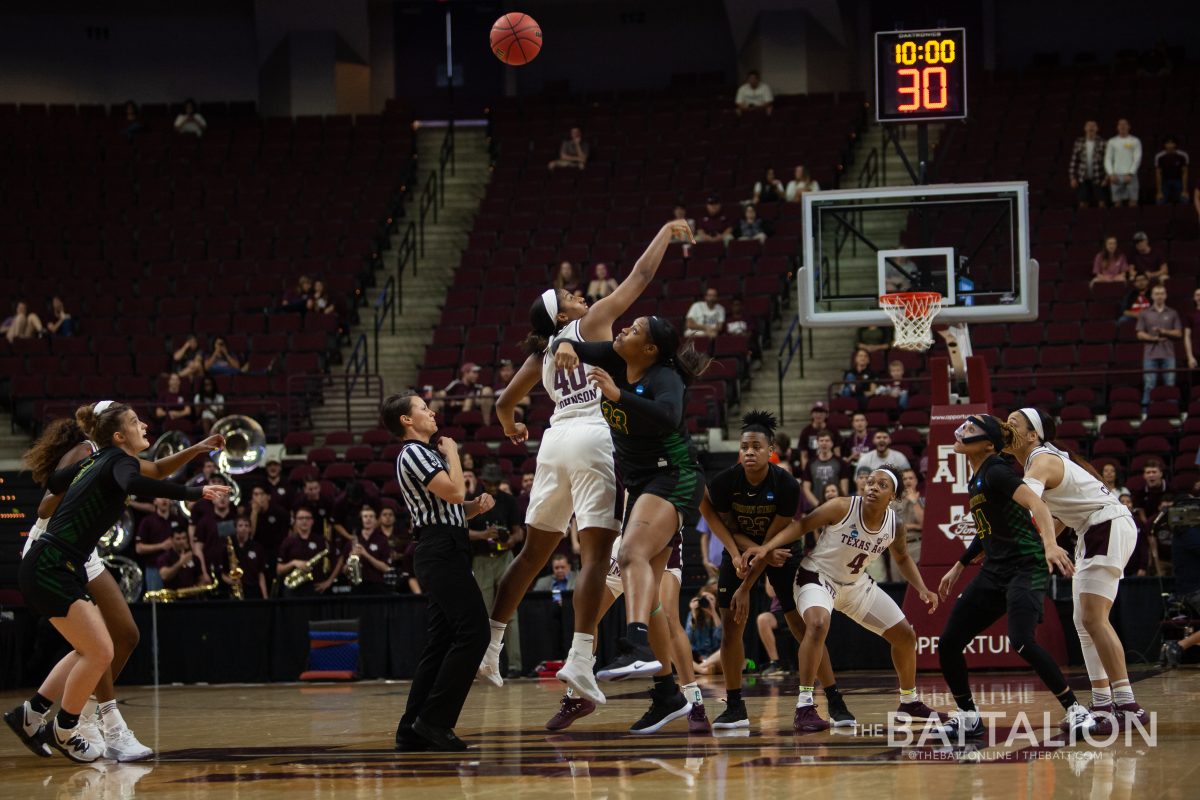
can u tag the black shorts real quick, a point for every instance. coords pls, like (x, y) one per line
(683, 489)
(51, 580)
(781, 579)
(1022, 593)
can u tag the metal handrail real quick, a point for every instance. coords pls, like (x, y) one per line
(446, 154)
(793, 341)
(384, 306)
(313, 385)
(427, 203)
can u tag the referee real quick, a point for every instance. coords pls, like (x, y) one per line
(432, 483)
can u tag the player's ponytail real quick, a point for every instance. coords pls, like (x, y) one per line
(543, 324)
(56, 441)
(685, 360)
(101, 420)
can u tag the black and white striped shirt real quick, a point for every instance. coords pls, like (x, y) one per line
(416, 466)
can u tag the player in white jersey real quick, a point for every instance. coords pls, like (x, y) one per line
(1106, 536)
(575, 470)
(856, 531)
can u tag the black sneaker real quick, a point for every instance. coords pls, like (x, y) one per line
(773, 668)
(957, 726)
(839, 715)
(29, 728)
(734, 716)
(632, 661)
(661, 712)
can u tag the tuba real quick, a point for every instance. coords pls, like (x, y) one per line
(169, 444)
(171, 595)
(128, 575)
(302, 575)
(245, 444)
(118, 537)
(235, 571)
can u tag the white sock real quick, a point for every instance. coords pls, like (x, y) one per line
(692, 692)
(581, 645)
(1101, 697)
(570, 692)
(1122, 692)
(805, 698)
(498, 629)
(89, 708)
(110, 716)
(908, 696)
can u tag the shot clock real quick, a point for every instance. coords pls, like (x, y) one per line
(920, 75)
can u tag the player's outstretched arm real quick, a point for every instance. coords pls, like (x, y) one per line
(521, 385)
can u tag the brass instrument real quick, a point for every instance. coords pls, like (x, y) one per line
(354, 569)
(302, 575)
(245, 445)
(171, 595)
(118, 537)
(169, 444)
(235, 571)
(128, 576)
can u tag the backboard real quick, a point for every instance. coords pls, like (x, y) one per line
(969, 242)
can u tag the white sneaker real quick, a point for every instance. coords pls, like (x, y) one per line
(577, 673)
(1079, 719)
(89, 729)
(72, 745)
(122, 745)
(489, 668)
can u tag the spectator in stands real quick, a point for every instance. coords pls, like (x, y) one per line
(1109, 265)
(859, 381)
(874, 337)
(318, 505)
(818, 424)
(504, 376)
(251, 559)
(1159, 327)
(1122, 157)
(186, 354)
(204, 475)
(269, 522)
(399, 534)
(860, 480)
(860, 440)
(715, 225)
(492, 536)
(679, 212)
(825, 468)
(171, 402)
(1086, 170)
(767, 623)
(782, 454)
(1137, 299)
(561, 578)
(524, 497)
(181, 567)
(303, 545)
(154, 537)
(1149, 499)
(275, 485)
(567, 278)
(750, 227)
(209, 402)
(23, 324)
(1191, 331)
(912, 513)
(133, 121)
(704, 632)
(296, 299)
(706, 317)
(222, 362)
(601, 285)
(769, 189)
(738, 324)
(800, 184)
(1108, 474)
(754, 95)
(61, 324)
(319, 301)
(465, 393)
(896, 385)
(208, 530)
(1153, 265)
(883, 455)
(190, 122)
(374, 551)
(1171, 173)
(572, 153)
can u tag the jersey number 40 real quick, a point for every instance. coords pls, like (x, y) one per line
(569, 381)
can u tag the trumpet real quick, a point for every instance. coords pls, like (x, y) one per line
(235, 571)
(171, 595)
(302, 575)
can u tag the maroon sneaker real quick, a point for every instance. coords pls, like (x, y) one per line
(571, 709)
(808, 720)
(698, 720)
(918, 712)
(1105, 720)
(1127, 713)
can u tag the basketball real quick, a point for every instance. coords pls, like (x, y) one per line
(516, 39)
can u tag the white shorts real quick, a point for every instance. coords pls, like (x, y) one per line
(1108, 544)
(862, 601)
(94, 567)
(575, 475)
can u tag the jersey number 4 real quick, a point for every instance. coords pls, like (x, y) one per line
(856, 564)
(568, 381)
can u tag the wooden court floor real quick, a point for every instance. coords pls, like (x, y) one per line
(334, 741)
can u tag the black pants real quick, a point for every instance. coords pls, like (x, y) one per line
(987, 598)
(458, 632)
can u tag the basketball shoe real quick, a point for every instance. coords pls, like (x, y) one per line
(71, 744)
(632, 661)
(839, 714)
(577, 673)
(489, 668)
(1127, 714)
(734, 716)
(808, 720)
(698, 719)
(963, 725)
(569, 710)
(918, 712)
(30, 728)
(662, 711)
(1104, 716)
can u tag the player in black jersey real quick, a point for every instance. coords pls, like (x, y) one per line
(1019, 554)
(52, 578)
(643, 375)
(745, 505)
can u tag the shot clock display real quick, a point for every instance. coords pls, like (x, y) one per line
(920, 75)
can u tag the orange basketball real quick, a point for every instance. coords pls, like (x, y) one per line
(516, 39)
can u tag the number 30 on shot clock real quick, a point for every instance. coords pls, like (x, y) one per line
(920, 75)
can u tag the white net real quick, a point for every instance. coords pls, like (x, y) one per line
(912, 313)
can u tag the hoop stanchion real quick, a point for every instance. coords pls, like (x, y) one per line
(912, 313)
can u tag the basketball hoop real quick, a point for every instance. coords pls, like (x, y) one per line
(912, 313)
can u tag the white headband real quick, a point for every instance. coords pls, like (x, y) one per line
(550, 301)
(892, 478)
(102, 406)
(1035, 422)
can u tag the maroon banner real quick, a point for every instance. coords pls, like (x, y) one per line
(947, 532)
